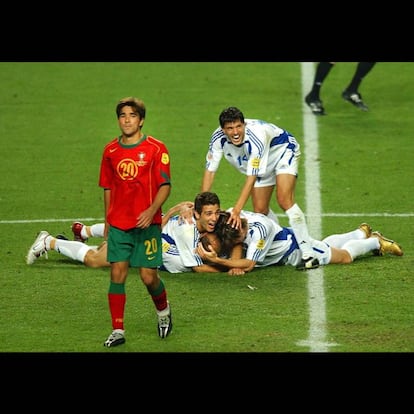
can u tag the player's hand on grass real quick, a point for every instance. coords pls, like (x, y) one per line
(236, 272)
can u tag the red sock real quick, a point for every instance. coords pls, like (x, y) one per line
(160, 301)
(117, 307)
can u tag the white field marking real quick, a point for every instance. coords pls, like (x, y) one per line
(316, 297)
(364, 215)
(310, 154)
(100, 219)
(57, 220)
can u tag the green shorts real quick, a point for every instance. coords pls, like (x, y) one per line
(139, 247)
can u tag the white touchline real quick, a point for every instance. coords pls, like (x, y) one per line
(310, 154)
(101, 219)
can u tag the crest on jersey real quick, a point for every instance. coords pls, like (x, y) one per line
(255, 162)
(165, 159)
(260, 244)
(141, 159)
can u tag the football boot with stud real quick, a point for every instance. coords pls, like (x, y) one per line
(38, 248)
(387, 245)
(367, 229)
(77, 232)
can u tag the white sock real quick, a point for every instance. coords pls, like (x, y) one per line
(84, 233)
(272, 216)
(47, 242)
(97, 230)
(338, 240)
(72, 249)
(360, 247)
(165, 311)
(298, 223)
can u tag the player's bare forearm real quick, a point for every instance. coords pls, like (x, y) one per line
(211, 256)
(206, 268)
(145, 218)
(185, 209)
(208, 179)
(245, 193)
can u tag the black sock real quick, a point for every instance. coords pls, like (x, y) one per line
(321, 73)
(361, 70)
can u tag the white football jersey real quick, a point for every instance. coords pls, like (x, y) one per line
(267, 150)
(259, 242)
(179, 241)
(267, 243)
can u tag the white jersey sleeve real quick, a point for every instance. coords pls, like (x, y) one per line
(260, 235)
(258, 137)
(215, 150)
(179, 241)
(267, 243)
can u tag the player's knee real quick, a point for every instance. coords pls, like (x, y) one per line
(346, 257)
(91, 263)
(262, 210)
(285, 203)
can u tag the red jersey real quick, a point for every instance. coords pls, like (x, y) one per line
(133, 173)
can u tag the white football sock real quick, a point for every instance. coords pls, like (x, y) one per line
(47, 242)
(73, 249)
(97, 230)
(84, 233)
(360, 247)
(272, 216)
(298, 223)
(338, 240)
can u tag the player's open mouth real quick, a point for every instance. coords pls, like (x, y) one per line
(236, 139)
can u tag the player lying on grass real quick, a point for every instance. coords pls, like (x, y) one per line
(182, 227)
(266, 243)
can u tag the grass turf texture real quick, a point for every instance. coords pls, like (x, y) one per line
(55, 120)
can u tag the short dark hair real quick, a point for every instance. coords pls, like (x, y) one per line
(135, 103)
(230, 114)
(206, 198)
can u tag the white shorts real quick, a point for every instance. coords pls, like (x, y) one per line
(173, 264)
(322, 252)
(286, 165)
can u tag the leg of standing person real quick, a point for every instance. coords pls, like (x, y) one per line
(351, 92)
(156, 288)
(116, 301)
(261, 197)
(313, 99)
(146, 258)
(285, 194)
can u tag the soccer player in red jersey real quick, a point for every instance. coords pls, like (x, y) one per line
(135, 176)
